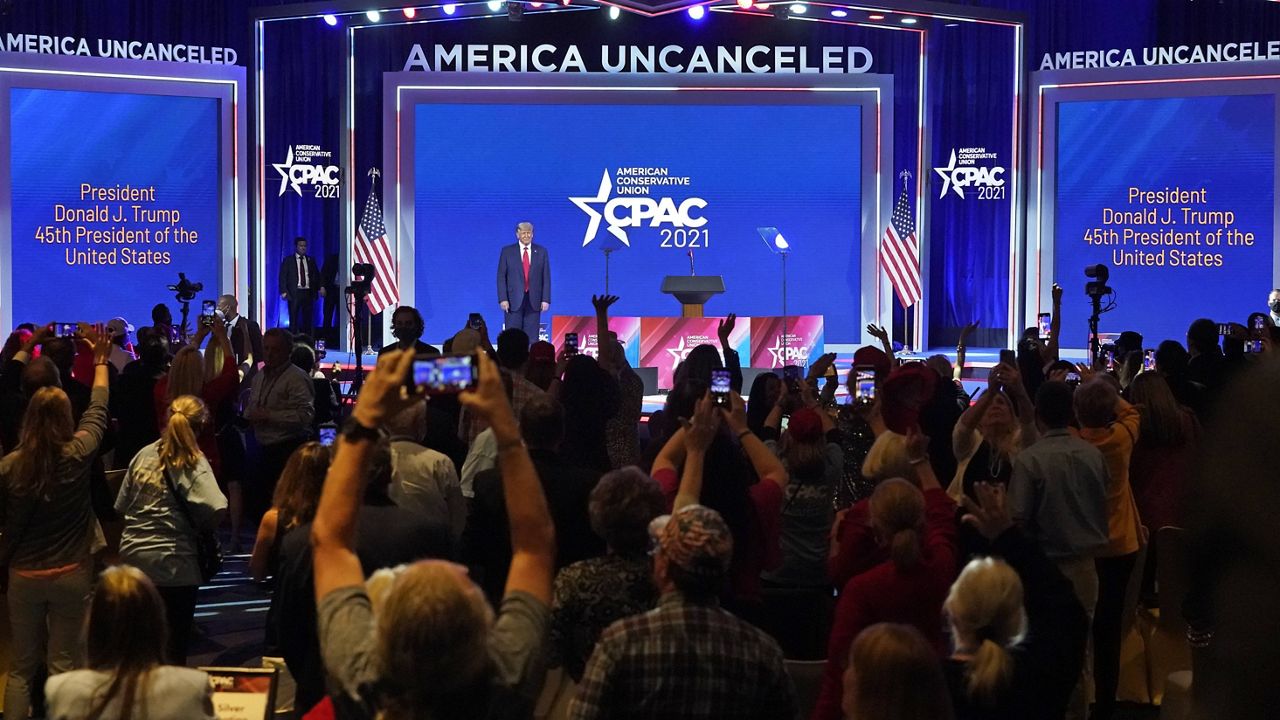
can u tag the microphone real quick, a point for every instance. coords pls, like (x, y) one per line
(691, 272)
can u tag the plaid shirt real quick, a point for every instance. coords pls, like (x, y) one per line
(685, 660)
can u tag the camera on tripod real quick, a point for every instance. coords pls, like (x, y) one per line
(1099, 274)
(185, 290)
(362, 275)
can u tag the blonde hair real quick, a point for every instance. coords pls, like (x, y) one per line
(987, 617)
(432, 645)
(186, 374)
(179, 449)
(897, 513)
(47, 427)
(893, 674)
(127, 634)
(887, 458)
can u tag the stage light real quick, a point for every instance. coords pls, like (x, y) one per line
(450, 9)
(697, 12)
(410, 12)
(373, 15)
(495, 5)
(837, 13)
(746, 4)
(330, 20)
(876, 16)
(909, 21)
(798, 9)
(565, 2)
(614, 13)
(535, 5)
(781, 243)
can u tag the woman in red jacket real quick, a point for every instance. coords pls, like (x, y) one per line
(919, 529)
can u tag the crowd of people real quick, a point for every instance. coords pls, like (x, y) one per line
(460, 555)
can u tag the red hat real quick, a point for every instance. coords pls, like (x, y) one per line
(542, 351)
(907, 389)
(873, 356)
(805, 425)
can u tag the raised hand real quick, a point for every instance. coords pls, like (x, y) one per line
(821, 365)
(967, 330)
(384, 393)
(1057, 294)
(988, 515)
(701, 430)
(878, 332)
(725, 328)
(735, 416)
(602, 302)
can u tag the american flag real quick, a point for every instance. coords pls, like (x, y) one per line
(371, 247)
(898, 250)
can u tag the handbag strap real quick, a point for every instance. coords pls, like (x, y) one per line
(182, 502)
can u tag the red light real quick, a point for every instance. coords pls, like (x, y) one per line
(746, 4)
(875, 17)
(410, 12)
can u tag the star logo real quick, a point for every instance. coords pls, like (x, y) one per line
(777, 353)
(283, 169)
(593, 224)
(948, 174)
(678, 354)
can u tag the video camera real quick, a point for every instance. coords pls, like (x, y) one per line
(185, 290)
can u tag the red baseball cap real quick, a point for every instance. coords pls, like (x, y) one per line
(906, 390)
(805, 425)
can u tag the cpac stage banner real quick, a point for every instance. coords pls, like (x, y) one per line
(627, 329)
(666, 342)
(800, 345)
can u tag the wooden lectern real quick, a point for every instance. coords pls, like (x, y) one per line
(693, 291)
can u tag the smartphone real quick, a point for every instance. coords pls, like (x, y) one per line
(1044, 319)
(207, 308)
(792, 375)
(320, 348)
(1072, 378)
(720, 389)
(1111, 360)
(474, 321)
(442, 374)
(571, 342)
(1224, 329)
(864, 384)
(328, 434)
(1148, 359)
(1009, 357)
(66, 329)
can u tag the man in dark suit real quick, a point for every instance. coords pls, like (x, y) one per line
(524, 282)
(407, 326)
(245, 334)
(300, 282)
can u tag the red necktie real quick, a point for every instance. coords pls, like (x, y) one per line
(525, 262)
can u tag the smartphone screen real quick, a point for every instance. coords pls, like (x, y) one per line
(1044, 319)
(65, 329)
(571, 342)
(328, 434)
(864, 384)
(206, 312)
(720, 389)
(443, 374)
(474, 321)
(1149, 359)
(1253, 346)
(1072, 378)
(791, 375)
(1111, 360)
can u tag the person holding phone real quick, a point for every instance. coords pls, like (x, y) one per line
(407, 326)
(524, 281)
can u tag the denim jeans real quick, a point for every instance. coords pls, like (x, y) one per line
(47, 620)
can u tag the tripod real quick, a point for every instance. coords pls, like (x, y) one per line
(359, 295)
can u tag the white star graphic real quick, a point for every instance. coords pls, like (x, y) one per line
(678, 354)
(283, 169)
(946, 177)
(777, 351)
(593, 226)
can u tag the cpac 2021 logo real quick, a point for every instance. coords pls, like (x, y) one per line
(300, 167)
(631, 204)
(963, 171)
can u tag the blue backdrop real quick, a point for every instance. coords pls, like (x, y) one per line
(1223, 144)
(481, 168)
(61, 139)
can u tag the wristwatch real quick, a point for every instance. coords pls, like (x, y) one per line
(354, 431)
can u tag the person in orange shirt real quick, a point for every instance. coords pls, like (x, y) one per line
(1111, 424)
